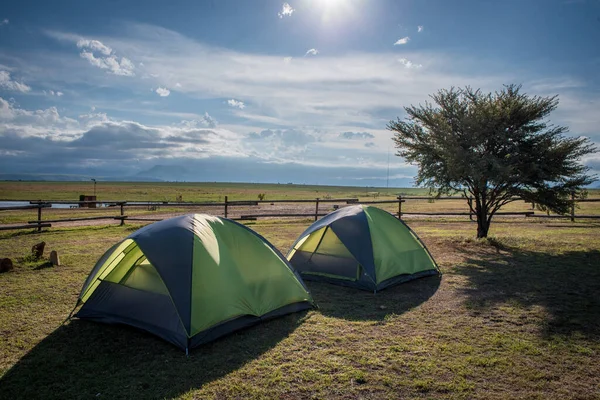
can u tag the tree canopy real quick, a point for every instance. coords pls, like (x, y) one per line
(494, 148)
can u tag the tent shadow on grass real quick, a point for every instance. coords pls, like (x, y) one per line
(355, 304)
(83, 359)
(566, 285)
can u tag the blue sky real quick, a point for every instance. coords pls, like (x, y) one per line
(270, 91)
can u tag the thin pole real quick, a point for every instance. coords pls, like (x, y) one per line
(225, 206)
(122, 214)
(400, 207)
(317, 209)
(573, 206)
(39, 218)
(470, 201)
(387, 185)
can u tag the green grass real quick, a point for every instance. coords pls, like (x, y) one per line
(194, 191)
(514, 316)
(216, 192)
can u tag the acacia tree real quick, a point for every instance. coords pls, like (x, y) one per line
(494, 148)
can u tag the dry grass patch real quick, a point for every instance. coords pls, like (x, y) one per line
(515, 316)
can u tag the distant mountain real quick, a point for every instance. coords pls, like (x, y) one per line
(163, 173)
(71, 178)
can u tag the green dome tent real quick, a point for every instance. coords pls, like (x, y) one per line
(362, 247)
(191, 279)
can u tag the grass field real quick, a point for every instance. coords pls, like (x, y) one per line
(198, 191)
(216, 192)
(515, 316)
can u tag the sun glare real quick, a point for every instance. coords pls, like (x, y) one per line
(334, 10)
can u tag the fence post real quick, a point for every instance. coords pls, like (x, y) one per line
(573, 206)
(317, 209)
(39, 228)
(122, 214)
(399, 207)
(225, 206)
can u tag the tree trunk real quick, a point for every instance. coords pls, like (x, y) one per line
(483, 226)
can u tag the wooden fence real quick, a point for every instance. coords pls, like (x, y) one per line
(227, 205)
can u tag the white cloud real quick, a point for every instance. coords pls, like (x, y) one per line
(41, 123)
(287, 60)
(92, 117)
(321, 97)
(96, 130)
(4, 22)
(551, 86)
(177, 84)
(236, 103)
(7, 83)
(408, 63)
(286, 11)
(94, 45)
(209, 121)
(327, 92)
(124, 67)
(356, 135)
(403, 40)
(313, 52)
(52, 93)
(419, 28)
(163, 92)
(107, 60)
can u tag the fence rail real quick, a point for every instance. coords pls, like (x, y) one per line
(580, 216)
(226, 206)
(31, 207)
(32, 226)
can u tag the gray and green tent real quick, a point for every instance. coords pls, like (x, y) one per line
(363, 247)
(191, 279)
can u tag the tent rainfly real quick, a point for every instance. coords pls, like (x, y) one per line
(363, 247)
(192, 279)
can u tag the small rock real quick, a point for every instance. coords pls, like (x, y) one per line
(54, 259)
(38, 250)
(6, 264)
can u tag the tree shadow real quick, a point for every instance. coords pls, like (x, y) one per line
(83, 359)
(566, 285)
(355, 304)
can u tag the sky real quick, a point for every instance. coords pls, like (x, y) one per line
(270, 91)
